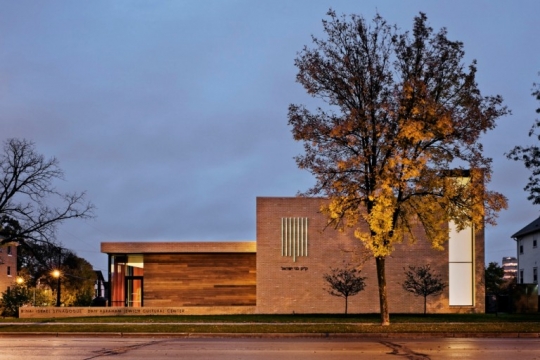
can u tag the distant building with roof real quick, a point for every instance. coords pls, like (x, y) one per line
(510, 267)
(8, 265)
(528, 253)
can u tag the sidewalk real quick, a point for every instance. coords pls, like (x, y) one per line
(157, 334)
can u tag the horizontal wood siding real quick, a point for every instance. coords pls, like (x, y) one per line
(204, 279)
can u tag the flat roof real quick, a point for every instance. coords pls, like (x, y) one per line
(178, 247)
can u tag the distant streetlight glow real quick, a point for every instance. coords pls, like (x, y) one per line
(56, 273)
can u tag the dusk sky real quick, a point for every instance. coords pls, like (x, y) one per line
(172, 115)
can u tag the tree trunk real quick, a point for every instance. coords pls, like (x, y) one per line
(425, 301)
(346, 303)
(383, 299)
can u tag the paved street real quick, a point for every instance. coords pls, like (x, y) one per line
(49, 348)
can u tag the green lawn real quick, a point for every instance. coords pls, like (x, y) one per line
(400, 323)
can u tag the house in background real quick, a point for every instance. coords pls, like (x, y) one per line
(527, 242)
(100, 286)
(8, 265)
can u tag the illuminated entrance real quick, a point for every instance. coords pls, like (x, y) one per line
(127, 281)
(134, 291)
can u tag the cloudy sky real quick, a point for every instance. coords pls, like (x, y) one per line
(172, 115)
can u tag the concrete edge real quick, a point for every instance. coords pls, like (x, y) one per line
(270, 335)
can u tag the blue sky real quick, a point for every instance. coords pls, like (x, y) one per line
(172, 115)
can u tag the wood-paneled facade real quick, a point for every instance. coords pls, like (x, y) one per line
(185, 274)
(206, 279)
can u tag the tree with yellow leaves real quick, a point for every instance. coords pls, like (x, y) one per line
(400, 129)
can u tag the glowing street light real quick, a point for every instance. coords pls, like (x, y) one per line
(56, 273)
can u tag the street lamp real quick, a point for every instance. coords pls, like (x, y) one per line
(56, 273)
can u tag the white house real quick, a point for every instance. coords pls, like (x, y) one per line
(528, 252)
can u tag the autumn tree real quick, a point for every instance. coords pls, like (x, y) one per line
(402, 120)
(344, 282)
(78, 279)
(77, 275)
(31, 207)
(422, 281)
(530, 156)
(13, 298)
(494, 278)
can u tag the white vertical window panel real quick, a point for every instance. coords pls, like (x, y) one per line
(461, 284)
(460, 247)
(461, 266)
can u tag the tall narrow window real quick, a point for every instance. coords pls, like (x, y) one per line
(535, 275)
(535, 243)
(9, 271)
(521, 276)
(461, 266)
(520, 247)
(9, 250)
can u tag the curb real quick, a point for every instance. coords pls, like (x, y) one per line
(270, 335)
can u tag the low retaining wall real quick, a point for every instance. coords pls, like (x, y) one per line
(63, 312)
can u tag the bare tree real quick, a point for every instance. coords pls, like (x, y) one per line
(30, 206)
(344, 282)
(422, 282)
(530, 155)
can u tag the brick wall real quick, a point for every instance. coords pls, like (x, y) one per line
(8, 260)
(285, 286)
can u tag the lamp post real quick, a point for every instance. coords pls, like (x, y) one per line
(56, 274)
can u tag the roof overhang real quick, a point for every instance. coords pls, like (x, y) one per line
(178, 247)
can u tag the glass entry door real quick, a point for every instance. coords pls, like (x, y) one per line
(134, 291)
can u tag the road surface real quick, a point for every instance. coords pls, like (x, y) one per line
(108, 348)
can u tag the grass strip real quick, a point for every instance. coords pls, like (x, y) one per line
(298, 318)
(453, 323)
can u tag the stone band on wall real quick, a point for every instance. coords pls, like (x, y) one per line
(65, 312)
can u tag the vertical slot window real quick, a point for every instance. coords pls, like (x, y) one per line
(294, 237)
(461, 266)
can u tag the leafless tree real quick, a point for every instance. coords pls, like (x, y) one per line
(31, 207)
(530, 155)
(421, 281)
(344, 282)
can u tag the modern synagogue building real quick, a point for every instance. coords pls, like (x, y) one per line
(282, 271)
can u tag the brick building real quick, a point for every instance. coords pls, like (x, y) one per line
(8, 265)
(282, 271)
